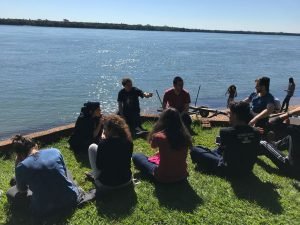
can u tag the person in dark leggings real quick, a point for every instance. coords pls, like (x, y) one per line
(238, 145)
(42, 180)
(290, 92)
(172, 139)
(129, 105)
(290, 163)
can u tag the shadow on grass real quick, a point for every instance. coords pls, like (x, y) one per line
(82, 159)
(178, 196)
(277, 171)
(175, 196)
(254, 190)
(117, 203)
(24, 216)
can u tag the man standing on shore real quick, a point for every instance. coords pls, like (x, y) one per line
(262, 103)
(179, 98)
(129, 105)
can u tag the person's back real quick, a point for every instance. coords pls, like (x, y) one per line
(82, 136)
(172, 165)
(240, 145)
(45, 175)
(114, 161)
(87, 128)
(171, 137)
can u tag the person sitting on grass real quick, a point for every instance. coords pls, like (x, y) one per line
(42, 180)
(262, 103)
(110, 160)
(172, 139)
(180, 99)
(238, 145)
(129, 105)
(88, 128)
(289, 164)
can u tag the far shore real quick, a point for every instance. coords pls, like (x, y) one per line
(122, 26)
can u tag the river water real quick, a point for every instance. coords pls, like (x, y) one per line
(46, 74)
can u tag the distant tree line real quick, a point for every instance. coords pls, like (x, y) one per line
(122, 26)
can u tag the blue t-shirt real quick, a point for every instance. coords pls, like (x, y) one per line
(44, 173)
(259, 103)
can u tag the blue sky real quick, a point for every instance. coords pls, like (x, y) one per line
(254, 15)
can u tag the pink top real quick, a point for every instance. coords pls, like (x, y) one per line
(176, 101)
(172, 163)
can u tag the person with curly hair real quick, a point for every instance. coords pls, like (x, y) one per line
(110, 160)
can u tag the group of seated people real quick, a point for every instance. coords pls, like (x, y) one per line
(43, 181)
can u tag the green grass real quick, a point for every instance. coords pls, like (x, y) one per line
(268, 198)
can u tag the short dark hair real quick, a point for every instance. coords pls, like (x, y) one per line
(291, 80)
(125, 81)
(22, 145)
(264, 81)
(177, 79)
(241, 110)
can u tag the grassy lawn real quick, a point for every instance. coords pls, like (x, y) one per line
(267, 198)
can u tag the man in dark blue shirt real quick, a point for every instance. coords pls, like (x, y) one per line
(42, 179)
(262, 103)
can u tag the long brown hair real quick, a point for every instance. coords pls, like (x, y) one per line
(171, 124)
(116, 126)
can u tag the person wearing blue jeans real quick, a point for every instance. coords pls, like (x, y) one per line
(42, 180)
(210, 159)
(172, 139)
(142, 163)
(239, 145)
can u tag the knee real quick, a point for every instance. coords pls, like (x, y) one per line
(137, 157)
(93, 148)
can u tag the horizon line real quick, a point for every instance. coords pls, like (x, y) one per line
(146, 27)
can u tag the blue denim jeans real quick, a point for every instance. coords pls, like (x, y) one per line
(206, 158)
(141, 163)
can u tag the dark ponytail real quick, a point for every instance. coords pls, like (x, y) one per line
(22, 145)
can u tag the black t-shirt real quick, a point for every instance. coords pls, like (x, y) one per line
(83, 135)
(130, 99)
(240, 146)
(114, 161)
